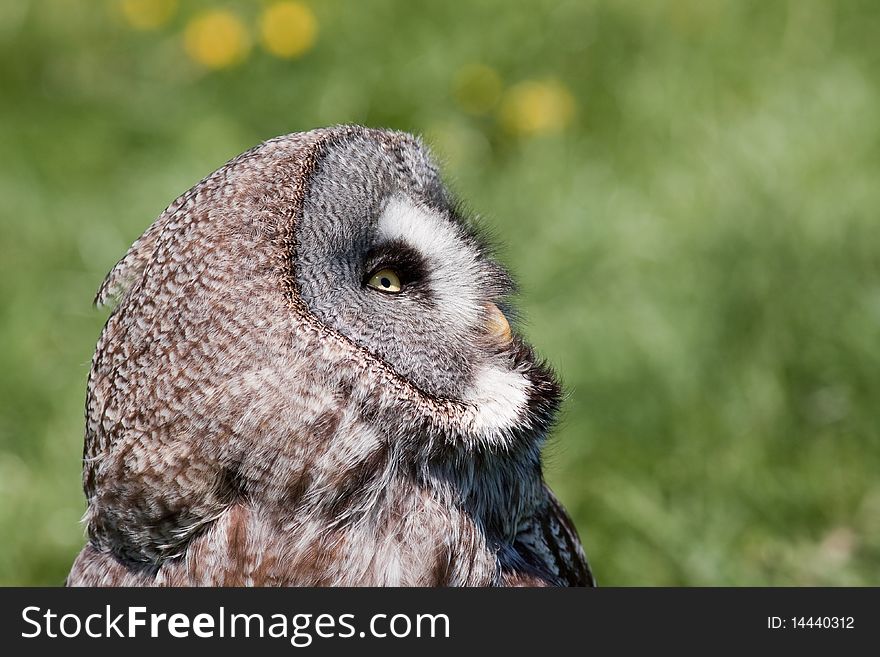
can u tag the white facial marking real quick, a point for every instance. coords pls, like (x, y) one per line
(456, 277)
(499, 397)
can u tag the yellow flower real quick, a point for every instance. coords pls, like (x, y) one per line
(147, 14)
(288, 29)
(477, 88)
(216, 39)
(537, 107)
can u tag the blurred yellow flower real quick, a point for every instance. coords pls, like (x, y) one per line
(477, 88)
(537, 107)
(288, 29)
(147, 14)
(216, 38)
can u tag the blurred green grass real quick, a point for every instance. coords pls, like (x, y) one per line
(687, 190)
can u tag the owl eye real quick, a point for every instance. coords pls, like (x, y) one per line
(385, 280)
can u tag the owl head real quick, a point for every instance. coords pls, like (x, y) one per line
(385, 258)
(320, 305)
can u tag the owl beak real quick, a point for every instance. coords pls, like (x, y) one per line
(497, 325)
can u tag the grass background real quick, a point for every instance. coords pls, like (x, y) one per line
(688, 191)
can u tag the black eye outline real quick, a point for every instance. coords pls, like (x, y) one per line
(402, 259)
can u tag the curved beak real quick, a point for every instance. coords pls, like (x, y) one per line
(497, 325)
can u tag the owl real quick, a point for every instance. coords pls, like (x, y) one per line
(309, 378)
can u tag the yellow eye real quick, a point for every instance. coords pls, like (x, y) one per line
(385, 280)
